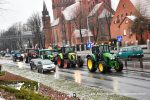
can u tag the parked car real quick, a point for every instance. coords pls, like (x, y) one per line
(7, 55)
(130, 52)
(42, 65)
(17, 57)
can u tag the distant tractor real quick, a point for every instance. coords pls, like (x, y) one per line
(103, 60)
(30, 53)
(67, 58)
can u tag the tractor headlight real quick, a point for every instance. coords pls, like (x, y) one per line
(112, 58)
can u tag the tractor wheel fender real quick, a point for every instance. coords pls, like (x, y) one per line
(92, 56)
(71, 56)
(61, 56)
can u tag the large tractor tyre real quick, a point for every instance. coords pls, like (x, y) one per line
(66, 64)
(27, 60)
(91, 64)
(60, 62)
(118, 66)
(102, 67)
(79, 62)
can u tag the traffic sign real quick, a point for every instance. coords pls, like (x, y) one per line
(90, 45)
(119, 38)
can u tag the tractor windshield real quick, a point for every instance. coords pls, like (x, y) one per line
(104, 48)
(95, 49)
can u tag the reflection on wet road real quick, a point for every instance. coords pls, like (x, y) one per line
(129, 83)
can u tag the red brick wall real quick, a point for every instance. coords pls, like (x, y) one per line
(125, 8)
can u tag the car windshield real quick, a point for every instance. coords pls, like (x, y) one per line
(46, 62)
(123, 49)
(136, 48)
(18, 54)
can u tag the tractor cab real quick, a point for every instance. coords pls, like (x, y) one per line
(45, 54)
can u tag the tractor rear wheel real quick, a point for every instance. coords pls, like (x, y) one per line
(91, 64)
(118, 66)
(102, 67)
(59, 62)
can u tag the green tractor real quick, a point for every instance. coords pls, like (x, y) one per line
(67, 58)
(45, 54)
(103, 59)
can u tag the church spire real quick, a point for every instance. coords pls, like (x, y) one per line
(45, 11)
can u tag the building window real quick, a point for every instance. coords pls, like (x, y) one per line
(124, 5)
(124, 32)
(126, 14)
(126, 21)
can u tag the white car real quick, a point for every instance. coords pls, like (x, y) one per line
(45, 65)
(34, 63)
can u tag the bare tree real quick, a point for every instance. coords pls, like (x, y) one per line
(79, 19)
(34, 24)
(108, 16)
(139, 26)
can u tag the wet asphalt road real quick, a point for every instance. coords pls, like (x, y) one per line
(128, 83)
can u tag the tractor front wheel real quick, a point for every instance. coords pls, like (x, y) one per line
(102, 67)
(91, 64)
(119, 66)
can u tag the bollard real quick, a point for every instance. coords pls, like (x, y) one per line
(148, 45)
(126, 63)
(141, 62)
(80, 47)
(85, 47)
(136, 43)
(74, 96)
(75, 48)
(117, 46)
(0, 68)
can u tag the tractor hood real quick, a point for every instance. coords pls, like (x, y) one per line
(109, 55)
(50, 56)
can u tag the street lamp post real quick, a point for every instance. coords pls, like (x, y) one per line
(89, 39)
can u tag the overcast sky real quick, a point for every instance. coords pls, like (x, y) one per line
(21, 10)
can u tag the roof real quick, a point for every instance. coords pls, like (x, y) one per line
(55, 22)
(95, 9)
(143, 6)
(114, 4)
(71, 11)
(132, 17)
(104, 13)
(84, 32)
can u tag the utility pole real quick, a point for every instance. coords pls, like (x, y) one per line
(89, 39)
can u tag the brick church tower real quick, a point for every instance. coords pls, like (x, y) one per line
(58, 5)
(46, 25)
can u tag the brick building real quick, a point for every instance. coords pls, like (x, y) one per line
(127, 11)
(66, 27)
